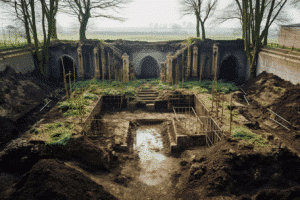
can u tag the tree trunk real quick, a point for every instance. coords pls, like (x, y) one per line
(83, 25)
(266, 39)
(27, 29)
(54, 31)
(198, 32)
(203, 31)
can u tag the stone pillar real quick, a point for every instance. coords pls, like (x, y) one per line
(109, 70)
(215, 61)
(162, 72)
(125, 68)
(103, 62)
(188, 64)
(202, 65)
(169, 69)
(80, 60)
(96, 59)
(195, 60)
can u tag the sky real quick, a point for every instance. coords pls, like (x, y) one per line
(147, 13)
(142, 13)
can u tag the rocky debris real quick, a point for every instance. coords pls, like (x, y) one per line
(52, 179)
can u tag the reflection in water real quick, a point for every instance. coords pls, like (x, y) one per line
(153, 164)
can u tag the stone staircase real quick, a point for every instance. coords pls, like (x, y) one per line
(148, 97)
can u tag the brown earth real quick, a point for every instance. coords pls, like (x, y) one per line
(228, 170)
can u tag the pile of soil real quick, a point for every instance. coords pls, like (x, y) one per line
(285, 103)
(21, 92)
(52, 179)
(240, 173)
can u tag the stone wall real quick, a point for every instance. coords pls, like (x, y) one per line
(289, 37)
(283, 65)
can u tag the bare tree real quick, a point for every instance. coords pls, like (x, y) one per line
(202, 12)
(86, 9)
(252, 12)
(232, 11)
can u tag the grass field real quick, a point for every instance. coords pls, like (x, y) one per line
(15, 41)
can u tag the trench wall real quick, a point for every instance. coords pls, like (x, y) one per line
(284, 65)
(20, 60)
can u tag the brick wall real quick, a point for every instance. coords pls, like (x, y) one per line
(289, 37)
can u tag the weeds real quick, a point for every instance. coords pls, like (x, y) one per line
(59, 134)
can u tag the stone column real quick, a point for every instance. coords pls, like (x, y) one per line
(96, 59)
(169, 69)
(80, 60)
(162, 72)
(103, 62)
(195, 60)
(125, 68)
(109, 70)
(215, 61)
(188, 64)
(202, 65)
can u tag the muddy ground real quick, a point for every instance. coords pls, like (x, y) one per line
(32, 170)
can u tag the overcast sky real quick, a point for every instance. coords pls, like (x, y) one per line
(143, 13)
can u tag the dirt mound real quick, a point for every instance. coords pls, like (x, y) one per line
(279, 95)
(52, 179)
(20, 92)
(228, 170)
(288, 106)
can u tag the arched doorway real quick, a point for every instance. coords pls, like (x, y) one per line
(68, 63)
(228, 70)
(149, 68)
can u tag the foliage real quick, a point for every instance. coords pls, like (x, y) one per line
(191, 40)
(74, 106)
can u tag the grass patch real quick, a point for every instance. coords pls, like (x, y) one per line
(279, 89)
(59, 133)
(249, 137)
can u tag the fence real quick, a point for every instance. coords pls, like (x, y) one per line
(210, 128)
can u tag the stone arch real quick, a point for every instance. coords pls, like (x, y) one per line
(68, 65)
(229, 69)
(149, 68)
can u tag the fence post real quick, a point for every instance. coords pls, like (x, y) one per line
(109, 73)
(202, 63)
(230, 114)
(80, 60)
(195, 60)
(96, 59)
(125, 68)
(103, 62)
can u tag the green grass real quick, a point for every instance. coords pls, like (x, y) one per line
(276, 45)
(244, 134)
(59, 133)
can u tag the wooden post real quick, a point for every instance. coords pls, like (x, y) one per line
(195, 60)
(215, 60)
(222, 108)
(65, 81)
(103, 62)
(182, 68)
(96, 59)
(74, 73)
(81, 72)
(217, 103)
(230, 113)
(212, 103)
